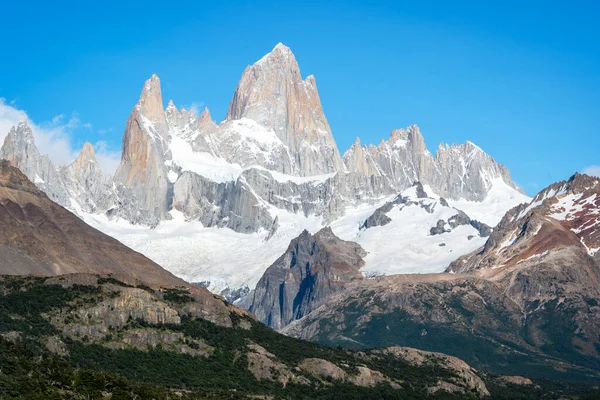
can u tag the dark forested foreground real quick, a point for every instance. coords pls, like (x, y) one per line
(85, 337)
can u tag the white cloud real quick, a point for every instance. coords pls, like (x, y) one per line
(107, 158)
(53, 138)
(195, 107)
(104, 131)
(593, 170)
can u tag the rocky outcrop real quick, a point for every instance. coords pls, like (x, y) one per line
(265, 366)
(313, 268)
(378, 218)
(439, 228)
(466, 380)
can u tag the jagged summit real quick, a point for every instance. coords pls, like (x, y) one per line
(21, 130)
(279, 51)
(273, 93)
(87, 151)
(150, 103)
(86, 156)
(171, 106)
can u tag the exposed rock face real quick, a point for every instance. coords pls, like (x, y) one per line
(145, 143)
(378, 218)
(439, 228)
(305, 276)
(272, 93)
(467, 376)
(265, 366)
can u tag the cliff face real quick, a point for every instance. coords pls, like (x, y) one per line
(313, 268)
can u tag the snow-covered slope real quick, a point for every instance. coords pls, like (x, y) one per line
(227, 260)
(406, 245)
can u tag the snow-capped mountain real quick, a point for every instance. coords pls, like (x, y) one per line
(268, 171)
(563, 218)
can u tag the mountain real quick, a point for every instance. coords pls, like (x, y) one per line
(526, 301)
(267, 172)
(312, 269)
(273, 93)
(563, 218)
(84, 316)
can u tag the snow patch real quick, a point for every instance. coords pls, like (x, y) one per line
(492, 209)
(567, 207)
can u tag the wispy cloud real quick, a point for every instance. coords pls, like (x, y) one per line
(54, 137)
(196, 107)
(104, 131)
(593, 170)
(109, 159)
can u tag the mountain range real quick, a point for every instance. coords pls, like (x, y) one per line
(268, 171)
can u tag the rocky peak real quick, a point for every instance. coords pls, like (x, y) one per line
(577, 184)
(19, 143)
(205, 122)
(358, 159)
(412, 134)
(273, 93)
(86, 166)
(171, 106)
(150, 103)
(21, 132)
(20, 150)
(87, 154)
(145, 145)
(312, 269)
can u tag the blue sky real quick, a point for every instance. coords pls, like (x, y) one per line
(520, 79)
